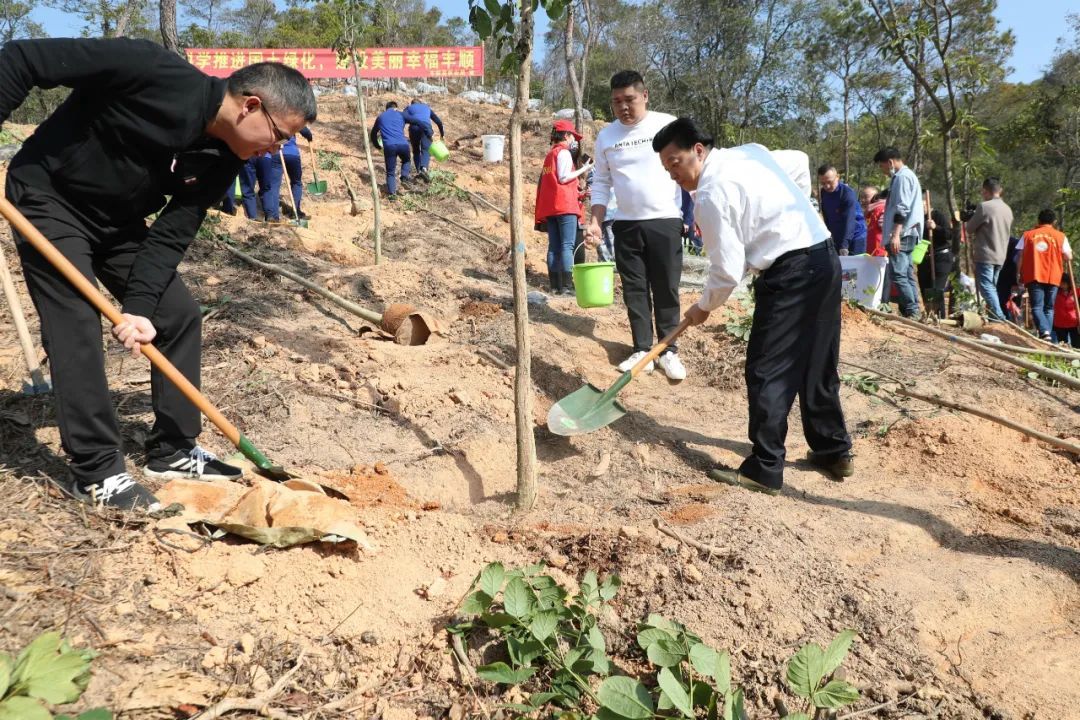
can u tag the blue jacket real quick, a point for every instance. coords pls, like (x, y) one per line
(391, 126)
(420, 115)
(290, 148)
(844, 218)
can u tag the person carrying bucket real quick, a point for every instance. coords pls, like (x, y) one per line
(419, 116)
(557, 204)
(388, 133)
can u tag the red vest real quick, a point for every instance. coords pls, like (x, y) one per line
(1043, 260)
(553, 197)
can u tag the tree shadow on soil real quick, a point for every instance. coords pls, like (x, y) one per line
(635, 427)
(949, 537)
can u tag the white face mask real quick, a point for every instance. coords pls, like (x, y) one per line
(573, 145)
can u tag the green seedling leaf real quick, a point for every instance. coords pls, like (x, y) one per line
(518, 707)
(596, 639)
(703, 658)
(675, 692)
(659, 621)
(649, 636)
(492, 6)
(481, 23)
(805, 670)
(738, 704)
(491, 579)
(600, 663)
(5, 673)
(544, 624)
(665, 652)
(523, 652)
(835, 694)
(723, 673)
(500, 672)
(476, 603)
(518, 598)
(625, 697)
(797, 716)
(590, 589)
(837, 651)
(703, 696)
(49, 670)
(498, 620)
(540, 699)
(610, 587)
(20, 707)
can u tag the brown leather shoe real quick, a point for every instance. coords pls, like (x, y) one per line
(838, 468)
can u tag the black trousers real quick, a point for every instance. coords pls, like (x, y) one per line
(794, 349)
(648, 256)
(71, 335)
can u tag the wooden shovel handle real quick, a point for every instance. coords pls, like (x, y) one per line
(288, 185)
(659, 347)
(91, 293)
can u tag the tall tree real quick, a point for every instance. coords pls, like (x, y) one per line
(253, 21)
(15, 21)
(961, 37)
(167, 20)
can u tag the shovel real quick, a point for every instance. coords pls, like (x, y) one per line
(319, 186)
(91, 293)
(288, 191)
(590, 408)
(39, 384)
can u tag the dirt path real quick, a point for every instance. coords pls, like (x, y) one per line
(954, 551)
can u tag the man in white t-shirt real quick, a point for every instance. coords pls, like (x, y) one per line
(648, 221)
(755, 216)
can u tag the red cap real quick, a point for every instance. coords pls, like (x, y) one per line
(566, 126)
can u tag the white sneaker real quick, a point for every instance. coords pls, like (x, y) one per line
(672, 366)
(631, 361)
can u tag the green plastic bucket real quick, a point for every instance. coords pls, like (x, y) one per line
(594, 284)
(439, 151)
(918, 253)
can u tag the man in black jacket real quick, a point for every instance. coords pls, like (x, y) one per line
(141, 125)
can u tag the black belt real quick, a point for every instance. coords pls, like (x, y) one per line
(823, 245)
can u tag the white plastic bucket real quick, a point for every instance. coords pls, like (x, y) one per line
(862, 278)
(493, 147)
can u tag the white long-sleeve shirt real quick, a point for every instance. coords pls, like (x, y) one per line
(751, 210)
(627, 168)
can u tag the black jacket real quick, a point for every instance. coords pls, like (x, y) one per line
(131, 132)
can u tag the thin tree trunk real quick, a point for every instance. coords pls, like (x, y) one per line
(847, 132)
(362, 112)
(590, 38)
(915, 152)
(523, 389)
(167, 20)
(571, 72)
(125, 17)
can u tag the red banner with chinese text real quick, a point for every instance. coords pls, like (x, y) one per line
(323, 63)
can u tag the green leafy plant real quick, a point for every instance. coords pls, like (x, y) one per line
(47, 672)
(328, 160)
(554, 649)
(866, 384)
(809, 676)
(547, 633)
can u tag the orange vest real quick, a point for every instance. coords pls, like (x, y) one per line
(1042, 258)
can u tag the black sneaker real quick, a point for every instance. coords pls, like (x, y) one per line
(194, 464)
(117, 491)
(839, 467)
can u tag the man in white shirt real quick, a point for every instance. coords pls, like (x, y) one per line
(648, 221)
(755, 217)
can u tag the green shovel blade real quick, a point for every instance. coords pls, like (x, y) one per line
(583, 411)
(316, 188)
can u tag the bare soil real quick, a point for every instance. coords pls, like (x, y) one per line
(954, 551)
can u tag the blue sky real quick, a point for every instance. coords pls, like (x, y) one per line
(1036, 23)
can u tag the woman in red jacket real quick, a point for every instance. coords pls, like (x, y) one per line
(1066, 317)
(557, 204)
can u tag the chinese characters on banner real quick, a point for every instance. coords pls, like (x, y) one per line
(323, 63)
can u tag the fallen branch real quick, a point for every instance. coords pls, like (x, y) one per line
(505, 214)
(462, 657)
(881, 706)
(258, 704)
(355, 209)
(1067, 380)
(1023, 429)
(707, 549)
(492, 359)
(1029, 351)
(333, 297)
(1029, 336)
(462, 227)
